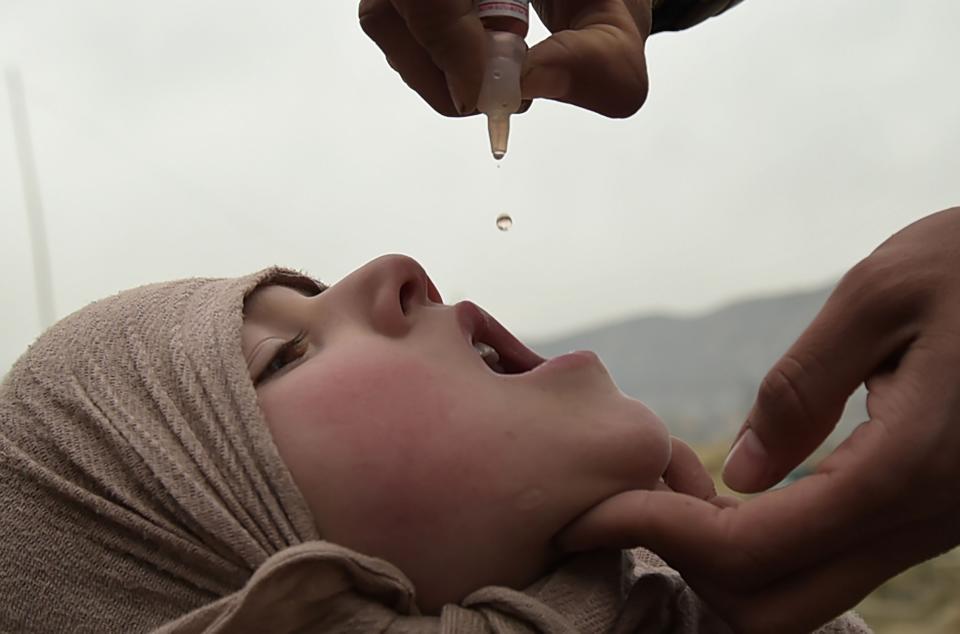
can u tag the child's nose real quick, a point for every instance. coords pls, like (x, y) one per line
(395, 285)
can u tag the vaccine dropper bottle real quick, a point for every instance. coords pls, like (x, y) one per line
(506, 23)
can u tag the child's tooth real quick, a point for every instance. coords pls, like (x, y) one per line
(487, 352)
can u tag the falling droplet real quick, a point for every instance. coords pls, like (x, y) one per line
(504, 222)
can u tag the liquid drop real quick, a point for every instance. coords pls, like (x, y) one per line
(504, 222)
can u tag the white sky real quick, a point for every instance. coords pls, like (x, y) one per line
(779, 145)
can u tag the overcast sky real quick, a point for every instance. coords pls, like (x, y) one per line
(780, 143)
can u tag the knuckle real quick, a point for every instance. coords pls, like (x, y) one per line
(888, 285)
(865, 278)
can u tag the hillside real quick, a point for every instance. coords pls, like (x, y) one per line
(701, 373)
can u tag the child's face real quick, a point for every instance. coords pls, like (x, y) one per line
(409, 447)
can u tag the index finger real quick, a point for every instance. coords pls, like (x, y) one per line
(760, 539)
(452, 35)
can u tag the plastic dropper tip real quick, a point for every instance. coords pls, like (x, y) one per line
(499, 133)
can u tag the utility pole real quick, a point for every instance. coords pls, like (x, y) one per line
(43, 284)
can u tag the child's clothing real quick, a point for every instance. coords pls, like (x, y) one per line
(325, 588)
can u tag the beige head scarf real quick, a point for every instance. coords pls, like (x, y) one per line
(140, 490)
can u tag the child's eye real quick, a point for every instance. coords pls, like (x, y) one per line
(286, 354)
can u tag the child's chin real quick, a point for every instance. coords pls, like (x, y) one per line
(648, 438)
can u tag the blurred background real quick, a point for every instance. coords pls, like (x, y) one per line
(689, 244)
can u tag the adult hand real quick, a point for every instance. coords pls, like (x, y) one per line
(594, 59)
(886, 499)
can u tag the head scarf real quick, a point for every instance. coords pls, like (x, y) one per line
(140, 490)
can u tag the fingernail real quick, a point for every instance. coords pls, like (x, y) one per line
(746, 463)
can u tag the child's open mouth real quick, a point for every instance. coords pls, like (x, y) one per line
(501, 351)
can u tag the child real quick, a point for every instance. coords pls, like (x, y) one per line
(263, 454)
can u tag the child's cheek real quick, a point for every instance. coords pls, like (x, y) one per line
(379, 442)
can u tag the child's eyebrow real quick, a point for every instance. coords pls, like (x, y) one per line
(304, 286)
(309, 288)
(300, 282)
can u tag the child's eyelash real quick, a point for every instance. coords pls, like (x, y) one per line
(289, 352)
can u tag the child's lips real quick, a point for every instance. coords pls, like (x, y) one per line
(572, 361)
(478, 326)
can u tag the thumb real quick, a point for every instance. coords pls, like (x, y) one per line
(802, 397)
(595, 60)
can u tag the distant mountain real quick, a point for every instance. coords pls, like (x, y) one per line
(701, 374)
